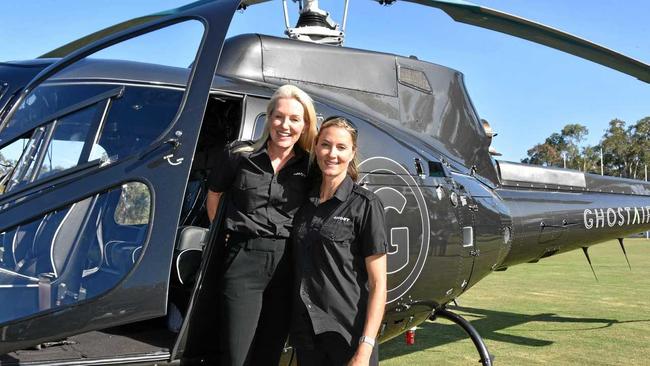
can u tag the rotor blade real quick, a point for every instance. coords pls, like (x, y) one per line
(586, 251)
(83, 41)
(469, 13)
(620, 241)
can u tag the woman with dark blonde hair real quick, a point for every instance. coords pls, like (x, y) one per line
(266, 183)
(339, 252)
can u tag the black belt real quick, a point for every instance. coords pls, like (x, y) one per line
(248, 241)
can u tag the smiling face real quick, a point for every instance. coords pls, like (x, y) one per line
(286, 123)
(334, 151)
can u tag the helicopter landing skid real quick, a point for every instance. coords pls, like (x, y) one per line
(486, 358)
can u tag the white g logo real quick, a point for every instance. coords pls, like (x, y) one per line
(406, 217)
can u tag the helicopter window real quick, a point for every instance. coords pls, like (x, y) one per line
(130, 59)
(47, 100)
(133, 206)
(55, 147)
(68, 137)
(9, 157)
(3, 88)
(137, 119)
(72, 254)
(258, 128)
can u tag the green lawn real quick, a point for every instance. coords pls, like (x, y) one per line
(549, 313)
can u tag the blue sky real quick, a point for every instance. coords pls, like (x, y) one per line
(526, 91)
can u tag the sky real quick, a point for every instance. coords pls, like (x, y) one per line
(526, 91)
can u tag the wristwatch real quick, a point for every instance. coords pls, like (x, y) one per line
(366, 339)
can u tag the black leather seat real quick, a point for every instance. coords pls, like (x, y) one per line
(188, 254)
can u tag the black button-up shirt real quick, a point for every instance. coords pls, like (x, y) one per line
(260, 202)
(331, 241)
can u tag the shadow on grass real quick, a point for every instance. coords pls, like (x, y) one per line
(488, 324)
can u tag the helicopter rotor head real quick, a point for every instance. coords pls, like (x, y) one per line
(315, 25)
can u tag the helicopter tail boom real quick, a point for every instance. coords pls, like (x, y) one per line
(576, 210)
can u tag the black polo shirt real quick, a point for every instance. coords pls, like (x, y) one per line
(331, 241)
(260, 203)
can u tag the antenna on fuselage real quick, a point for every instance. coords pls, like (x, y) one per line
(586, 251)
(315, 25)
(620, 242)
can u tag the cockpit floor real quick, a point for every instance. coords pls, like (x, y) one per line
(145, 338)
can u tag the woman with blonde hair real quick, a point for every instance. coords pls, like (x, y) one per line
(339, 252)
(266, 183)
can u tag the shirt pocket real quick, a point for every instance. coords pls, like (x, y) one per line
(294, 192)
(247, 191)
(338, 232)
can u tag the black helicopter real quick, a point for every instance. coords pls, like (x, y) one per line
(106, 256)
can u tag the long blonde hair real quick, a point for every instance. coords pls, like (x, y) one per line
(309, 116)
(340, 122)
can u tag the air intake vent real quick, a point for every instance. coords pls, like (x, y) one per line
(414, 78)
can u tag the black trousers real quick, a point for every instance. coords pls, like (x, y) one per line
(255, 301)
(330, 349)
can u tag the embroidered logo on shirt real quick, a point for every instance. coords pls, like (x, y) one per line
(340, 218)
(300, 174)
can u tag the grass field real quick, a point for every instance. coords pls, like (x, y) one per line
(549, 313)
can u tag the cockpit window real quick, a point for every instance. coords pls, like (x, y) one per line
(9, 156)
(3, 88)
(137, 118)
(108, 129)
(47, 100)
(52, 148)
(99, 109)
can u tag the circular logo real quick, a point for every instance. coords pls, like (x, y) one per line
(407, 221)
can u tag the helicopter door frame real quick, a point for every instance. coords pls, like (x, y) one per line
(142, 294)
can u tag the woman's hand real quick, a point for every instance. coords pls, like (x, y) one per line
(362, 356)
(376, 267)
(212, 203)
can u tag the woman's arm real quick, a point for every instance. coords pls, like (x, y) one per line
(212, 203)
(376, 267)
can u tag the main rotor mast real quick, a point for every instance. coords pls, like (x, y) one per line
(315, 25)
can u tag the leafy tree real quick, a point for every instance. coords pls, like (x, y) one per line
(543, 154)
(134, 205)
(626, 150)
(5, 165)
(572, 136)
(589, 160)
(566, 143)
(616, 148)
(639, 147)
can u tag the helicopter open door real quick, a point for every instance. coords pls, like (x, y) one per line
(90, 203)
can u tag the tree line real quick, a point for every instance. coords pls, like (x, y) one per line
(625, 150)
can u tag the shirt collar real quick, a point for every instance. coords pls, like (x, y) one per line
(260, 150)
(298, 151)
(342, 192)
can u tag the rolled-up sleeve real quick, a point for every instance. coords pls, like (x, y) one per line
(373, 230)
(223, 172)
